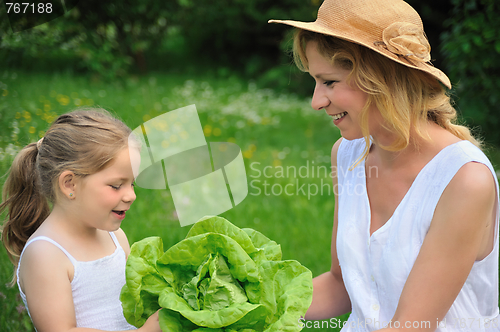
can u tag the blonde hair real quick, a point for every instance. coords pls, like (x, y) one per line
(83, 141)
(404, 96)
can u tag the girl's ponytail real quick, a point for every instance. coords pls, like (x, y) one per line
(26, 206)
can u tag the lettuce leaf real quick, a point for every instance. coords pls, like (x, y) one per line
(144, 282)
(220, 278)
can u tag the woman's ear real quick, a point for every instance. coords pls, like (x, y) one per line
(68, 182)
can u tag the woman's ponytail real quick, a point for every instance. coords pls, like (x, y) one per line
(26, 206)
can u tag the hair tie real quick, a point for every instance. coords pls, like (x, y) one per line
(39, 143)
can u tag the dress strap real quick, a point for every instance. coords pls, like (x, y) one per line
(48, 239)
(115, 240)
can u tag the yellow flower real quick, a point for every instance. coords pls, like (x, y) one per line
(247, 154)
(63, 100)
(207, 130)
(27, 116)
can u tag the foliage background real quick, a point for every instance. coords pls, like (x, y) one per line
(142, 58)
(113, 39)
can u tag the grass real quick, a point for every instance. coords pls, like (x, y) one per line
(276, 133)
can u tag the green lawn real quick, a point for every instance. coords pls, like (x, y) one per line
(276, 134)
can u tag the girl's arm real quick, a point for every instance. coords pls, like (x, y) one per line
(46, 273)
(461, 232)
(330, 298)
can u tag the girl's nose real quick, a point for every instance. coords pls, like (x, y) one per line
(129, 196)
(319, 99)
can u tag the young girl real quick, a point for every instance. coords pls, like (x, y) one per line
(70, 260)
(415, 246)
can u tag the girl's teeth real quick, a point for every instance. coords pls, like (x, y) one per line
(338, 116)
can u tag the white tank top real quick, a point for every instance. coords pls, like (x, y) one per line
(375, 268)
(96, 288)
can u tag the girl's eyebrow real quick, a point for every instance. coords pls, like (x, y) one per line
(123, 179)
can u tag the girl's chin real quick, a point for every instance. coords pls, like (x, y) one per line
(111, 228)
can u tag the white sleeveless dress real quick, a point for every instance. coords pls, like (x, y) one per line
(96, 288)
(375, 268)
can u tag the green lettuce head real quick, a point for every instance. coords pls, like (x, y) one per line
(219, 278)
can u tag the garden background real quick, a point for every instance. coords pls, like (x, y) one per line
(140, 59)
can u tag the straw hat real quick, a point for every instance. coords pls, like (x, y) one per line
(390, 27)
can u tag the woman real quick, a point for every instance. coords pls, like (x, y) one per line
(417, 247)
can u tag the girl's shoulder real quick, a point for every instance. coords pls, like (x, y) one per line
(43, 259)
(43, 245)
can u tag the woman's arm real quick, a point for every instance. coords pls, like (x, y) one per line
(45, 278)
(330, 298)
(461, 232)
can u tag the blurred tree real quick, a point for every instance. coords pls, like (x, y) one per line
(113, 36)
(109, 36)
(472, 48)
(236, 32)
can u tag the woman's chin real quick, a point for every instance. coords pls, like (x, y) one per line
(350, 135)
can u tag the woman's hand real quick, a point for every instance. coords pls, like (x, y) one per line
(152, 324)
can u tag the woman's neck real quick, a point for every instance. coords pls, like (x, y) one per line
(433, 139)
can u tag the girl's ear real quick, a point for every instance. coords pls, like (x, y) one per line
(67, 184)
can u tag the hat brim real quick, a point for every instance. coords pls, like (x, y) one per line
(328, 30)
